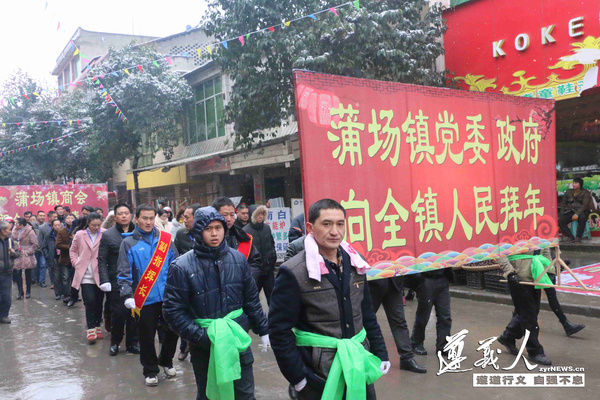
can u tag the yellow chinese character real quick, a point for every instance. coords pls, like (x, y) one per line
(418, 137)
(151, 276)
(448, 130)
(391, 219)
(476, 145)
(531, 141)
(21, 198)
(162, 247)
(37, 198)
(158, 261)
(532, 205)
(143, 289)
(80, 197)
(392, 140)
(427, 216)
(510, 204)
(483, 205)
(505, 140)
(363, 223)
(350, 135)
(67, 197)
(458, 217)
(52, 198)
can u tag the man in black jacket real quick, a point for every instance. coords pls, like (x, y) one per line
(236, 237)
(323, 291)
(183, 238)
(108, 257)
(434, 291)
(214, 283)
(265, 244)
(8, 253)
(298, 228)
(243, 216)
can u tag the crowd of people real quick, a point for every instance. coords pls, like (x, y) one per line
(197, 277)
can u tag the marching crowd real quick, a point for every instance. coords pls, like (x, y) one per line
(196, 277)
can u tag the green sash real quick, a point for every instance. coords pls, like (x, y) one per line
(228, 339)
(538, 264)
(353, 366)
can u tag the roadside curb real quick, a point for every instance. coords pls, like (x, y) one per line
(489, 297)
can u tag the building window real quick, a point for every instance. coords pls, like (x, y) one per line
(67, 74)
(206, 119)
(74, 68)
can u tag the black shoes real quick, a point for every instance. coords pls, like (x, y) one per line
(5, 320)
(133, 349)
(419, 349)
(510, 347)
(43, 285)
(571, 328)
(66, 300)
(70, 303)
(540, 359)
(182, 355)
(412, 366)
(27, 295)
(57, 297)
(114, 349)
(19, 296)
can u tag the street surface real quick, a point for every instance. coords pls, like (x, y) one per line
(44, 355)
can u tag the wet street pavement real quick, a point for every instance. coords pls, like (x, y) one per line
(44, 355)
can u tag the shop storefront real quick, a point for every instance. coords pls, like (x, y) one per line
(539, 48)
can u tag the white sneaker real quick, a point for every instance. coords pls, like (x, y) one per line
(151, 381)
(170, 372)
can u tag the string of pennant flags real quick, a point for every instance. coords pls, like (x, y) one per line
(37, 145)
(91, 80)
(209, 48)
(60, 122)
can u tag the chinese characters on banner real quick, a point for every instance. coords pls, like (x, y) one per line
(15, 200)
(279, 220)
(429, 177)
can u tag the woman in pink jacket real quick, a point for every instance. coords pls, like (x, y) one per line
(84, 258)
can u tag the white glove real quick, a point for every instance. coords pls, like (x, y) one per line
(265, 343)
(130, 303)
(300, 385)
(385, 367)
(106, 287)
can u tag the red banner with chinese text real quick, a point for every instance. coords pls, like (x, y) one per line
(15, 200)
(429, 177)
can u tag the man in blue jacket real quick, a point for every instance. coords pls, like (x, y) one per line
(209, 290)
(139, 262)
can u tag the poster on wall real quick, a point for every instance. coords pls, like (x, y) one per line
(279, 219)
(16, 200)
(430, 177)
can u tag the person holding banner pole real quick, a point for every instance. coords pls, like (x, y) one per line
(211, 300)
(526, 299)
(143, 264)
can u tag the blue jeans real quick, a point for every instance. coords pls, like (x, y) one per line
(40, 277)
(5, 293)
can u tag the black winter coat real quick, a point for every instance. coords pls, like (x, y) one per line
(183, 241)
(264, 243)
(209, 283)
(236, 235)
(108, 254)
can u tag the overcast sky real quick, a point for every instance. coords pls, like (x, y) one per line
(29, 38)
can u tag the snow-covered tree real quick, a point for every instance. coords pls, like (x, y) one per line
(385, 39)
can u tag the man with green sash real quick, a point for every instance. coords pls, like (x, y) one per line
(211, 301)
(526, 299)
(322, 327)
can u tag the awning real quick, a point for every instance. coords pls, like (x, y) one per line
(157, 178)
